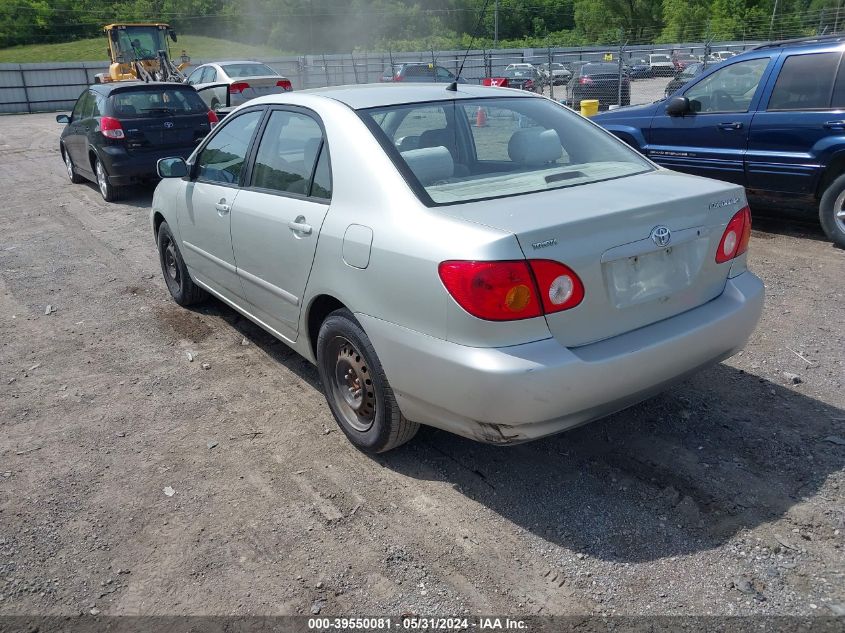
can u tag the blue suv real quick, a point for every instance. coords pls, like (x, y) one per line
(771, 119)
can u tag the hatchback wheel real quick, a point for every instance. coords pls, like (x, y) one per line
(107, 190)
(356, 388)
(71, 170)
(832, 211)
(182, 288)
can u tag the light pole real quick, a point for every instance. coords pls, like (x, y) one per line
(772, 23)
(496, 25)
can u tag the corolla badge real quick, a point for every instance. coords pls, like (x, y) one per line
(723, 203)
(661, 235)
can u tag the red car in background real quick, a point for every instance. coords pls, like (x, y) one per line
(682, 61)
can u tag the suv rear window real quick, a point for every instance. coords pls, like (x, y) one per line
(154, 102)
(527, 145)
(805, 82)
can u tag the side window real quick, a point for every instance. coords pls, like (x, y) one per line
(805, 82)
(223, 158)
(442, 74)
(729, 89)
(287, 153)
(209, 75)
(195, 77)
(80, 106)
(99, 106)
(322, 185)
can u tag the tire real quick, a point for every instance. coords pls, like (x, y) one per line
(182, 288)
(71, 170)
(109, 192)
(356, 388)
(832, 211)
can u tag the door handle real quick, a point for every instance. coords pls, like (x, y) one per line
(222, 207)
(731, 125)
(835, 125)
(299, 226)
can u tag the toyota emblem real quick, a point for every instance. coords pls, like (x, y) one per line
(168, 124)
(661, 235)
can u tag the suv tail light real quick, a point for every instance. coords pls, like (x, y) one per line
(285, 84)
(238, 87)
(111, 127)
(585, 80)
(511, 290)
(735, 239)
(213, 119)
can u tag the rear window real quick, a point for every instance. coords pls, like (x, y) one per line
(474, 149)
(660, 58)
(239, 71)
(419, 71)
(153, 102)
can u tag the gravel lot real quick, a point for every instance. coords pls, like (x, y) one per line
(721, 496)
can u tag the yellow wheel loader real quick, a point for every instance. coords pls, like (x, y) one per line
(142, 52)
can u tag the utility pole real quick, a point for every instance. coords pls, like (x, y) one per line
(621, 51)
(772, 23)
(496, 25)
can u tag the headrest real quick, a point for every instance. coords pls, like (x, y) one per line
(430, 164)
(533, 147)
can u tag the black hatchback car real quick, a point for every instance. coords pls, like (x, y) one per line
(118, 131)
(599, 81)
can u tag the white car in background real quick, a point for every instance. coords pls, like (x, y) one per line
(661, 65)
(520, 66)
(244, 80)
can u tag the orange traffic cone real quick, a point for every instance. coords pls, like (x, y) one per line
(481, 117)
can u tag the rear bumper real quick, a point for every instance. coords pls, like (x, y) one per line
(126, 168)
(519, 393)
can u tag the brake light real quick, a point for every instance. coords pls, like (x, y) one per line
(397, 77)
(511, 290)
(584, 80)
(735, 239)
(238, 87)
(285, 84)
(111, 128)
(213, 119)
(529, 83)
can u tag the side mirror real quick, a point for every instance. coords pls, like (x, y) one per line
(62, 118)
(678, 106)
(171, 168)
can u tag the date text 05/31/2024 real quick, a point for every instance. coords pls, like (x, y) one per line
(416, 623)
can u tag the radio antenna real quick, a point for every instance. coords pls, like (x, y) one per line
(454, 85)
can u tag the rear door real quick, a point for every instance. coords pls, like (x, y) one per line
(713, 139)
(205, 216)
(277, 217)
(801, 114)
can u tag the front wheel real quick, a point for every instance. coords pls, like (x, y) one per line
(832, 211)
(356, 387)
(182, 288)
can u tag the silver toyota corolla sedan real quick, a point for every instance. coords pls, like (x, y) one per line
(482, 260)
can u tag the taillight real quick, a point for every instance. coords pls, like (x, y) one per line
(560, 288)
(737, 234)
(529, 83)
(511, 290)
(238, 87)
(111, 128)
(285, 84)
(584, 80)
(213, 119)
(397, 77)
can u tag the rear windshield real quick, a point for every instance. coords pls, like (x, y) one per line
(239, 71)
(590, 69)
(660, 58)
(153, 102)
(474, 149)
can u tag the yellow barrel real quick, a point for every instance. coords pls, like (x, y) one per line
(589, 107)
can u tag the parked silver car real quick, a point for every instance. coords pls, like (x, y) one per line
(503, 277)
(244, 80)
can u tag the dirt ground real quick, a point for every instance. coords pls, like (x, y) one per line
(721, 496)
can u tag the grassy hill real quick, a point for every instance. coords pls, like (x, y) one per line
(198, 47)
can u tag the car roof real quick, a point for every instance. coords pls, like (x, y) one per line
(360, 96)
(119, 86)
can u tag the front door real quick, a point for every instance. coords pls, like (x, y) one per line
(205, 217)
(712, 139)
(76, 138)
(277, 217)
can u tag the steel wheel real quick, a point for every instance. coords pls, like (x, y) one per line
(171, 267)
(351, 385)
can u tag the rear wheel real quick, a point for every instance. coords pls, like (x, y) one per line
(107, 190)
(356, 388)
(182, 288)
(71, 170)
(832, 211)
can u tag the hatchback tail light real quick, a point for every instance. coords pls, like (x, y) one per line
(511, 290)
(238, 87)
(735, 239)
(585, 80)
(285, 85)
(213, 119)
(111, 128)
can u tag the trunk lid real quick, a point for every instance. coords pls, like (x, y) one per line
(260, 86)
(165, 131)
(603, 231)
